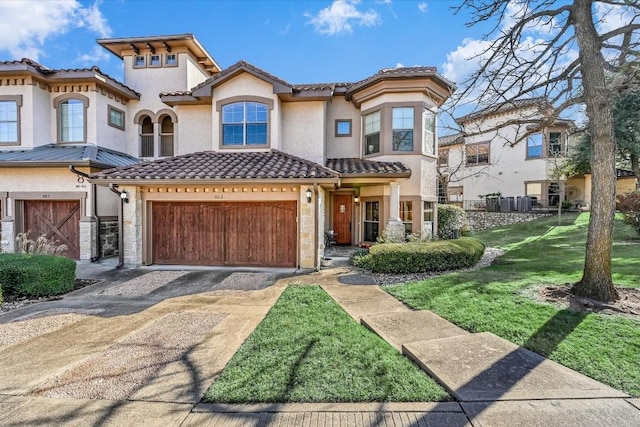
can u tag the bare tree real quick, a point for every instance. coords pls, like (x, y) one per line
(552, 49)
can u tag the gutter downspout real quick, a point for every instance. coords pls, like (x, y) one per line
(120, 225)
(94, 211)
(316, 209)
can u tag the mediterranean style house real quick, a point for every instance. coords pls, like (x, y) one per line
(499, 152)
(196, 164)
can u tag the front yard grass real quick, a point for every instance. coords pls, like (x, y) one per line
(307, 349)
(499, 299)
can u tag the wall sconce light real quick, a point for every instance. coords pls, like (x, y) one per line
(124, 196)
(309, 195)
(356, 200)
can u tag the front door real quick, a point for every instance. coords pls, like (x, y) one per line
(342, 219)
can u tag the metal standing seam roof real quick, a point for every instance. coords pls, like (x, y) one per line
(213, 165)
(355, 166)
(85, 154)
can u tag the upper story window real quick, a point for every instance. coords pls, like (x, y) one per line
(139, 61)
(170, 60)
(402, 122)
(244, 123)
(429, 132)
(10, 119)
(116, 117)
(443, 157)
(72, 117)
(372, 133)
(154, 61)
(477, 154)
(555, 144)
(534, 145)
(343, 127)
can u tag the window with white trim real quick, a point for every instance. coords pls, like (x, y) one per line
(429, 132)
(139, 61)
(477, 154)
(116, 117)
(534, 146)
(170, 60)
(402, 123)
(555, 144)
(406, 216)
(245, 123)
(154, 61)
(371, 221)
(71, 120)
(10, 119)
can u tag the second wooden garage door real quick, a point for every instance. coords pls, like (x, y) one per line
(235, 234)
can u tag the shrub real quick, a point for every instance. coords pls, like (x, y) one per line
(450, 221)
(422, 257)
(360, 258)
(36, 275)
(629, 206)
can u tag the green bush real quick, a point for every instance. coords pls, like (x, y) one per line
(421, 257)
(360, 258)
(629, 206)
(32, 275)
(450, 221)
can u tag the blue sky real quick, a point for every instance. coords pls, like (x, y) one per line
(299, 41)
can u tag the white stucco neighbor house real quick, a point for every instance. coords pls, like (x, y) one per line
(206, 165)
(497, 152)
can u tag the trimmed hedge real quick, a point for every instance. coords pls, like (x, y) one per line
(32, 275)
(421, 257)
(450, 221)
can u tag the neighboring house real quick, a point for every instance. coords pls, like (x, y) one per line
(240, 167)
(501, 151)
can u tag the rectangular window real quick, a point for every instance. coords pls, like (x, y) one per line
(534, 146)
(170, 60)
(139, 61)
(555, 144)
(428, 211)
(9, 123)
(154, 61)
(429, 132)
(71, 120)
(372, 133)
(534, 190)
(428, 217)
(371, 221)
(343, 127)
(402, 123)
(443, 157)
(477, 154)
(406, 215)
(116, 117)
(244, 123)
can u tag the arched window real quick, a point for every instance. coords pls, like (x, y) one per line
(245, 123)
(72, 117)
(166, 136)
(146, 137)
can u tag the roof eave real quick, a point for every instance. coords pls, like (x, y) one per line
(172, 100)
(226, 181)
(51, 163)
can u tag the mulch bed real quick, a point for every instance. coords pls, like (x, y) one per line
(628, 305)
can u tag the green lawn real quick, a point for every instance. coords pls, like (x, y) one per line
(542, 252)
(308, 349)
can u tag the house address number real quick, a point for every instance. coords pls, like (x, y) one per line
(46, 196)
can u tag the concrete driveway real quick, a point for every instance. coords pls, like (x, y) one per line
(138, 348)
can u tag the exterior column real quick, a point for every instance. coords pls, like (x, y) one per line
(395, 228)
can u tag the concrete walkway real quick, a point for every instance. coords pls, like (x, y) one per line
(495, 382)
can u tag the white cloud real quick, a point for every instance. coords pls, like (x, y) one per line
(341, 16)
(96, 54)
(423, 7)
(26, 25)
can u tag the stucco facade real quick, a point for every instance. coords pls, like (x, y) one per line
(176, 101)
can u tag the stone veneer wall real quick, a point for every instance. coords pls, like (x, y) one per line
(483, 220)
(108, 238)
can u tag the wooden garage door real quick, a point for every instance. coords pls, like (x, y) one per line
(235, 234)
(57, 220)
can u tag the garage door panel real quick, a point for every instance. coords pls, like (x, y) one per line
(57, 220)
(235, 234)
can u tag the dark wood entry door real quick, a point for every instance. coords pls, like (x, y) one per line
(57, 220)
(342, 218)
(256, 234)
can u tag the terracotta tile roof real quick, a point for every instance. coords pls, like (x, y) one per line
(52, 72)
(360, 166)
(211, 165)
(622, 173)
(400, 72)
(240, 65)
(505, 107)
(446, 140)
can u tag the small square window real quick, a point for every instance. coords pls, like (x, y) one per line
(116, 118)
(139, 61)
(343, 127)
(170, 60)
(154, 61)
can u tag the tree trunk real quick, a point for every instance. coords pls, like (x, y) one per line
(596, 280)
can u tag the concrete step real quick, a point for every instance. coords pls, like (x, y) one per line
(407, 327)
(364, 300)
(485, 367)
